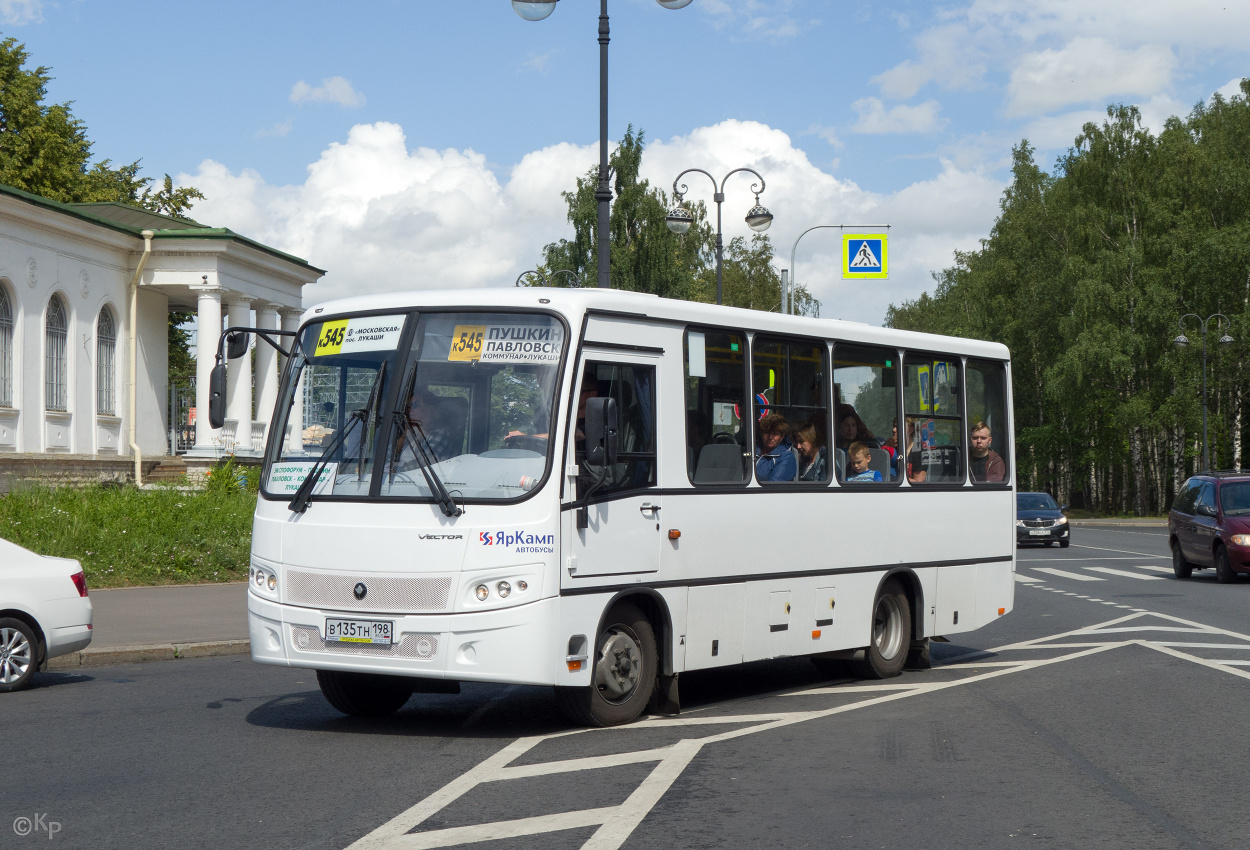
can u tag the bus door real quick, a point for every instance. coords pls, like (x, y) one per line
(621, 533)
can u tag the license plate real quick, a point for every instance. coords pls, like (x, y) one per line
(1040, 532)
(359, 631)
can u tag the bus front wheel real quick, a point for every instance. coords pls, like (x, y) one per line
(623, 672)
(364, 694)
(891, 633)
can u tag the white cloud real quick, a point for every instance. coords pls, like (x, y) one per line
(875, 118)
(540, 62)
(950, 55)
(767, 19)
(1231, 89)
(829, 134)
(1059, 132)
(278, 130)
(1087, 70)
(332, 90)
(381, 217)
(20, 12)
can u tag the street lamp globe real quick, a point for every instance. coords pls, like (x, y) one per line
(759, 218)
(1181, 341)
(534, 10)
(1225, 339)
(679, 219)
(674, 4)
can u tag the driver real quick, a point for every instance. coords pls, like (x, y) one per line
(423, 415)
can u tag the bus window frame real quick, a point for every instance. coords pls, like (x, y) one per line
(412, 320)
(1008, 483)
(898, 407)
(745, 401)
(936, 487)
(816, 342)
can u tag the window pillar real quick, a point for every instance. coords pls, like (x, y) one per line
(295, 441)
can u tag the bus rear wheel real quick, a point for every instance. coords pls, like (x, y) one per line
(623, 672)
(891, 633)
(364, 694)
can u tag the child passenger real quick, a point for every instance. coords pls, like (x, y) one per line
(858, 457)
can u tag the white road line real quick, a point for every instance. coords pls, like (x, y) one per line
(1201, 645)
(1065, 574)
(1229, 661)
(501, 829)
(1167, 570)
(639, 804)
(1052, 560)
(1214, 665)
(525, 771)
(1123, 551)
(1023, 579)
(1125, 573)
(1098, 630)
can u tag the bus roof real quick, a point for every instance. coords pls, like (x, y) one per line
(573, 303)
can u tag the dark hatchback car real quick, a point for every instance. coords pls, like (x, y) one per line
(1040, 520)
(1209, 525)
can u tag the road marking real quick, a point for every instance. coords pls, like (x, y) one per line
(1023, 579)
(1052, 560)
(617, 823)
(1065, 574)
(1167, 570)
(1125, 573)
(1123, 551)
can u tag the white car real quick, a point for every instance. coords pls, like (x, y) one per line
(44, 612)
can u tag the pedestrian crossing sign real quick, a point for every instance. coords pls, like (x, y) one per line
(864, 256)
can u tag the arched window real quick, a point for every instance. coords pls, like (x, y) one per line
(105, 351)
(6, 349)
(56, 378)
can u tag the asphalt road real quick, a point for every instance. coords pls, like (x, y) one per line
(1100, 713)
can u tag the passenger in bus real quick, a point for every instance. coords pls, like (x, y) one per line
(776, 461)
(858, 456)
(813, 463)
(987, 464)
(891, 445)
(916, 473)
(851, 429)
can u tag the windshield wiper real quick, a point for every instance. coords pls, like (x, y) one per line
(420, 451)
(299, 502)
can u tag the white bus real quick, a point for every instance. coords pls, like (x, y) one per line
(563, 487)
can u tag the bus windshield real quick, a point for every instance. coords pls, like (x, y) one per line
(465, 408)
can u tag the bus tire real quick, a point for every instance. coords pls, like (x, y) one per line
(891, 633)
(364, 694)
(1181, 567)
(623, 672)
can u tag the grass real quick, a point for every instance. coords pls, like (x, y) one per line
(126, 537)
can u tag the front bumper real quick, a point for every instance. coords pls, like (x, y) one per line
(1047, 535)
(512, 645)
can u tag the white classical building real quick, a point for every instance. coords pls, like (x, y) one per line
(80, 282)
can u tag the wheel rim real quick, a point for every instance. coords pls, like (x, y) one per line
(887, 627)
(14, 655)
(618, 669)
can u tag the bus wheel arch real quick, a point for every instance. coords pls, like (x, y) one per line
(890, 638)
(624, 668)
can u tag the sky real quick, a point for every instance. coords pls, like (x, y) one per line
(424, 144)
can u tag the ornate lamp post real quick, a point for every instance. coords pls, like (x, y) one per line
(577, 281)
(536, 10)
(1181, 342)
(679, 219)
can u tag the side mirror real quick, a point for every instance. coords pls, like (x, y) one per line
(236, 346)
(601, 429)
(1206, 510)
(217, 396)
(1063, 507)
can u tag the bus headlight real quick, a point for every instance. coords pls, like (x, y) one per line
(482, 592)
(272, 582)
(504, 589)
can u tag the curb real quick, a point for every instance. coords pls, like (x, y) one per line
(108, 655)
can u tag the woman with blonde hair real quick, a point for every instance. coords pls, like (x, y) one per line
(811, 445)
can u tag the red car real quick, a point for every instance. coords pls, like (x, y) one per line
(1209, 525)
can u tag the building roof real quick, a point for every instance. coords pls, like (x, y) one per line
(134, 220)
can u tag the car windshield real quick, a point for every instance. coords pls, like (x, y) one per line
(467, 404)
(1235, 498)
(1035, 502)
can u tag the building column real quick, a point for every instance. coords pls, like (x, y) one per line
(207, 330)
(266, 367)
(239, 374)
(295, 441)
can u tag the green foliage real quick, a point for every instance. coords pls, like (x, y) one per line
(125, 536)
(230, 476)
(648, 257)
(44, 149)
(1085, 275)
(181, 360)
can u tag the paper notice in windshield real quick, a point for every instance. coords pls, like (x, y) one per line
(366, 333)
(285, 478)
(507, 343)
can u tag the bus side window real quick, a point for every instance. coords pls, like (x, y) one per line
(989, 452)
(715, 389)
(934, 437)
(865, 378)
(789, 381)
(633, 388)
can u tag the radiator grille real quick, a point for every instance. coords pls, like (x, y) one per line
(411, 645)
(1038, 523)
(399, 594)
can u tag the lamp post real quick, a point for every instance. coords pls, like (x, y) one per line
(787, 305)
(577, 281)
(679, 219)
(1181, 342)
(536, 10)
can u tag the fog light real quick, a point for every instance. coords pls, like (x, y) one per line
(482, 592)
(504, 589)
(522, 585)
(251, 573)
(273, 582)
